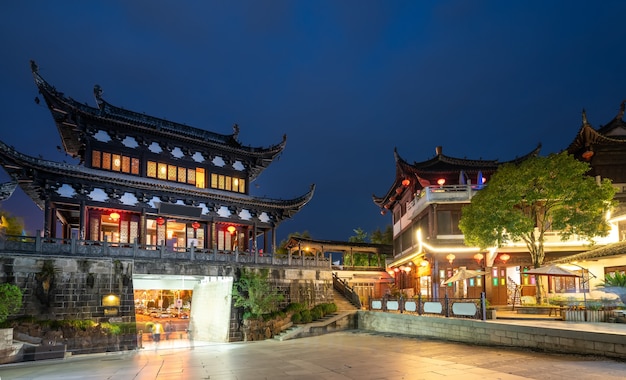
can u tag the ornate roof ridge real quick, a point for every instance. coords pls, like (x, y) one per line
(588, 135)
(108, 111)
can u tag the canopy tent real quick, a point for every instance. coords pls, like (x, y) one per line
(553, 270)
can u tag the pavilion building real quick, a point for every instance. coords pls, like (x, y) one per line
(149, 181)
(425, 201)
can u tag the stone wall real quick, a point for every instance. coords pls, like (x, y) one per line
(59, 287)
(495, 334)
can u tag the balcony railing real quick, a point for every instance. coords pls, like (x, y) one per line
(441, 194)
(91, 248)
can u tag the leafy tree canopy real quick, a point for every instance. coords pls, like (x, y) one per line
(254, 293)
(359, 237)
(522, 202)
(382, 237)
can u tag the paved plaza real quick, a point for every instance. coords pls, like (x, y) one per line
(342, 355)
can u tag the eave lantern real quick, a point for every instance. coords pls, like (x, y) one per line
(478, 257)
(406, 182)
(115, 216)
(587, 154)
(231, 229)
(441, 181)
(505, 257)
(195, 225)
(160, 221)
(450, 258)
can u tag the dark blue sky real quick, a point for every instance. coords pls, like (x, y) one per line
(347, 81)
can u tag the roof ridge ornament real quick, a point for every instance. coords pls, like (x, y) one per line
(622, 107)
(585, 122)
(97, 92)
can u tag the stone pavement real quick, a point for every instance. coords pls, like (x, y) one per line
(343, 355)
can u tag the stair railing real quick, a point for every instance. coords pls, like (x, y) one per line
(346, 290)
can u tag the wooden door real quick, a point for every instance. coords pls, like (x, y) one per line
(498, 294)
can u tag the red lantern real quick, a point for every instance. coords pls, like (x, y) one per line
(231, 229)
(406, 182)
(195, 225)
(160, 221)
(441, 181)
(399, 190)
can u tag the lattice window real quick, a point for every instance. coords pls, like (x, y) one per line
(191, 177)
(171, 173)
(106, 161)
(116, 162)
(96, 159)
(134, 166)
(125, 164)
(124, 231)
(152, 169)
(182, 175)
(94, 229)
(162, 173)
(134, 231)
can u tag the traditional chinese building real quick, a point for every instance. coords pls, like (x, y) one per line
(605, 150)
(146, 180)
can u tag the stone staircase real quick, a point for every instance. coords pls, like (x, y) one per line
(342, 303)
(340, 320)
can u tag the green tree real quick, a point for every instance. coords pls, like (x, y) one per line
(253, 292)
(359, 237)
(382, 237)
(524, 201)
(10, 300)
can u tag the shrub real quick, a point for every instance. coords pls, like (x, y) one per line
(10, 300)
(306, 316)
(296, 318)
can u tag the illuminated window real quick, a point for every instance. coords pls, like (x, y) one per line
(116, 162)
(191, 177)
(162, 173)
(134, 166)
(106, 161)
(96, 159)
(152, 169)
(200, 178)
(126, 164)
(171, 173)
(182, 175)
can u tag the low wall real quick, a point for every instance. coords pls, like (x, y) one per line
(496, 334)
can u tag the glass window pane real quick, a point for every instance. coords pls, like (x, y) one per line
(162, 174)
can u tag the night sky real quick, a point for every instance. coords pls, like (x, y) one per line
(346, 81)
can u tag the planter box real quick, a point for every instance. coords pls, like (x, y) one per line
(592, 315)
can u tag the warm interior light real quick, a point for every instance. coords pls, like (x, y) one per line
(231, 229)
(424, 263)
(115, 216)
(505, 257)
(406, 182)
(441, 181)
(407, 269)
(450, 258)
